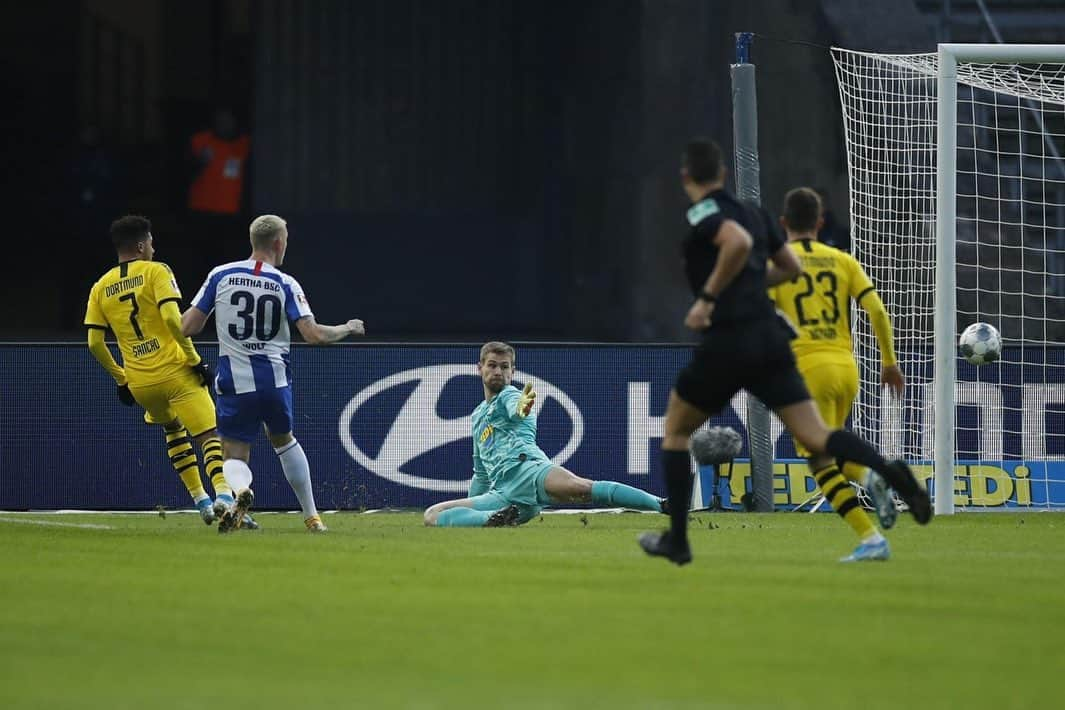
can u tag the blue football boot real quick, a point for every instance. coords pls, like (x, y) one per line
(869, 552)
(883, 500)
(206, 510)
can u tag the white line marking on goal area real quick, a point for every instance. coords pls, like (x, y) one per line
(56, 524)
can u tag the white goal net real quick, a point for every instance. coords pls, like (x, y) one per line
(1009, 438)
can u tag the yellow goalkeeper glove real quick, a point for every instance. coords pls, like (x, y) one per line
(526, 401)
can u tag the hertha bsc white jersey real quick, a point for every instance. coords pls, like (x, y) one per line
(253, 304)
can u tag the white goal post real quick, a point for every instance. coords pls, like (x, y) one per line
(902, 127)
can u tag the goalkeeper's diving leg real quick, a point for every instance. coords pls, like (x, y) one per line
(488, 510)
(564, 486)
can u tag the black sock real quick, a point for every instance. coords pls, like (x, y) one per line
(847, 446)
(678, 470)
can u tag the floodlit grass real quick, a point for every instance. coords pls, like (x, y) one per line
(564, 612)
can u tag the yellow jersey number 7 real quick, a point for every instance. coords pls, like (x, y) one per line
(132, 298)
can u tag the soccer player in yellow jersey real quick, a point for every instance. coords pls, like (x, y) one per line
(818, 303)
(161, 370)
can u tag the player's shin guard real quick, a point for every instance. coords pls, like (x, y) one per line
(679, 481)
(847, 446)
(183, 459)
(212, 461)
(840, 495)
(618, 494)
(463, 518)
(298, 473)
(237, 474)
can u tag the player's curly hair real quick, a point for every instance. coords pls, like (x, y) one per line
(802, 209)
(498, 348)
(702, 160)
(127, 231)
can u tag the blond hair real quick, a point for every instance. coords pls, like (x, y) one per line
(494, 346)
(265, 229)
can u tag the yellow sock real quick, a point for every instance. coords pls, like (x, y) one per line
(212, 461)
(840, 495)
(183, 458)
(854, 472)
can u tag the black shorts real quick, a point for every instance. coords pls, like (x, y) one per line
(754, 356)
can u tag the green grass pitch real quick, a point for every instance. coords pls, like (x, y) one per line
(154, 612)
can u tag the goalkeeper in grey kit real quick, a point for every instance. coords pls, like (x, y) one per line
(512, 477)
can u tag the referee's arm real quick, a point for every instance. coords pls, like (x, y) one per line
(783, 266)
(734, 245)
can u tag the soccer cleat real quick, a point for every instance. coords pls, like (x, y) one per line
(206, 510)
(883, 500)
(245, 499)
(235, 515)
(912, 491)
(663, 506)
(248, 523)
(503, 518)
(315, 525)
(221, 504)
(869, 552)
(660, 544)
(227, 522)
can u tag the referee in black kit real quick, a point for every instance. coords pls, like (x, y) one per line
(745, 345)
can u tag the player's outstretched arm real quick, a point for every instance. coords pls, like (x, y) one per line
(526, 400)
(193, 321)
(890, 374)
(317, 334)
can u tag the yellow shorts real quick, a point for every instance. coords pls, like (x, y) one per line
(833, 385)
(182, 397)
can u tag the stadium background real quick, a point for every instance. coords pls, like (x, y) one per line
(419, 148)
(451, 172)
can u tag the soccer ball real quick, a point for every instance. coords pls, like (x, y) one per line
(980, 343)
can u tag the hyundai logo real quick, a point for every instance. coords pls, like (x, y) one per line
(418, 429)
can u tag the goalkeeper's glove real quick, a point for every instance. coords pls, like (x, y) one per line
(526, 400)
(205, 372)
(125, 396)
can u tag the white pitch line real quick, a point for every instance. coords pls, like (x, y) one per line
(49, 523)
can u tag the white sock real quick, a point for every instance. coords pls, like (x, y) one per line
(237, 474)
(298, 472)
(873, 537)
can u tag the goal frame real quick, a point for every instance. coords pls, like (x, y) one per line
(945, 351)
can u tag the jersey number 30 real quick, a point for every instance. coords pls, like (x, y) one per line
(261, 316)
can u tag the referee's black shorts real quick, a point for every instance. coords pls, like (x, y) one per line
(755, 356)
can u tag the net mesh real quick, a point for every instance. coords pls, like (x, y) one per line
(1010, 249)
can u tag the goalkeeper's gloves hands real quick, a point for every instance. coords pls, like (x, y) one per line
(526, 401)
(125, 396)
(205, 372)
